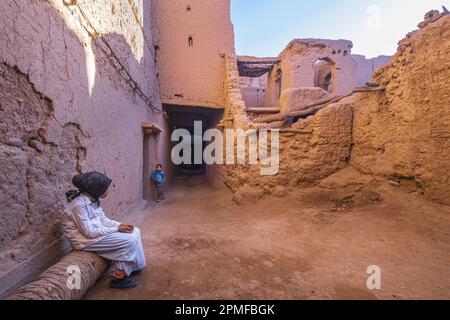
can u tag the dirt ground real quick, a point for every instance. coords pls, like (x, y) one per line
(200, 245)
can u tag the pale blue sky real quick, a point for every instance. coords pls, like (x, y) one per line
(264, 27)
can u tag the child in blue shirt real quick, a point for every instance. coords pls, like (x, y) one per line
(158, 177)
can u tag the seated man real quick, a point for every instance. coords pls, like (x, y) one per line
(88, 229)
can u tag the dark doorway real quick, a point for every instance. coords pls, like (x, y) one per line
(184, 117)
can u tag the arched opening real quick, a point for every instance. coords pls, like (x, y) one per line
(324, 74)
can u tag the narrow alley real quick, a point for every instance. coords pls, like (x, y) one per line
(200, 245)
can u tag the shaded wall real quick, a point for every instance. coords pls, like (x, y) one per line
(68, 105)
(309, 151)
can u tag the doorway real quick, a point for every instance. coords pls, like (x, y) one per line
(184, 117)
(151, 156)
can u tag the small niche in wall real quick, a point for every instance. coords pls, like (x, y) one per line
(191, 41)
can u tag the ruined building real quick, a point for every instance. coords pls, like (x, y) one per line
(307, 70)
(100, 85)
(395, 129)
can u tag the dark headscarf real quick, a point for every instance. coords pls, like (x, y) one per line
(93, 184)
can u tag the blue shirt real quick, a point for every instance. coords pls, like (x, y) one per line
(158, 177)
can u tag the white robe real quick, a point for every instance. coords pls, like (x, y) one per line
(88, 229)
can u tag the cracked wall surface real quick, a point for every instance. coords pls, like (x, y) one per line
(397, 133)
(310, 150)
(299, 68)
(367, 66)
(192, 38)
(76, 84)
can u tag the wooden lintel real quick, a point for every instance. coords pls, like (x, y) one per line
(151, 128)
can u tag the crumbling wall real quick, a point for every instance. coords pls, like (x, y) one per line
(253, 90)
(35, 172)
(366, 67)
(299, 58)
(304, 65)
(310, 150)
(398, 130)
(404, 132)
(76, 81)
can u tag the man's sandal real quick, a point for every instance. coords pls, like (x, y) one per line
(124, 283)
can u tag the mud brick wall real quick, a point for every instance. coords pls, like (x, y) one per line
(67, 106)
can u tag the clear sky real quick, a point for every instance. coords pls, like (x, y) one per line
(264, 27)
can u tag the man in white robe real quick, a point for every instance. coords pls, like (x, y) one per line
(88, 229)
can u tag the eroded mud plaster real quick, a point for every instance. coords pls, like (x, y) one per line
(77, 82)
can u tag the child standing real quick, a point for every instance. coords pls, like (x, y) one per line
(158, 177)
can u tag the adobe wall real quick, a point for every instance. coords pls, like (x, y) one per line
(366, 67)
(68, 106)
(191, 72)
(309, 151)
(404, 132)
(396, 133)
(297, 68)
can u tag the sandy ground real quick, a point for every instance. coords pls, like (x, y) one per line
(199, 245)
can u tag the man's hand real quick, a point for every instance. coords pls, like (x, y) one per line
(126, 228)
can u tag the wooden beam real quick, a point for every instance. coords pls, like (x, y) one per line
(263, 110)
(151, 128)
